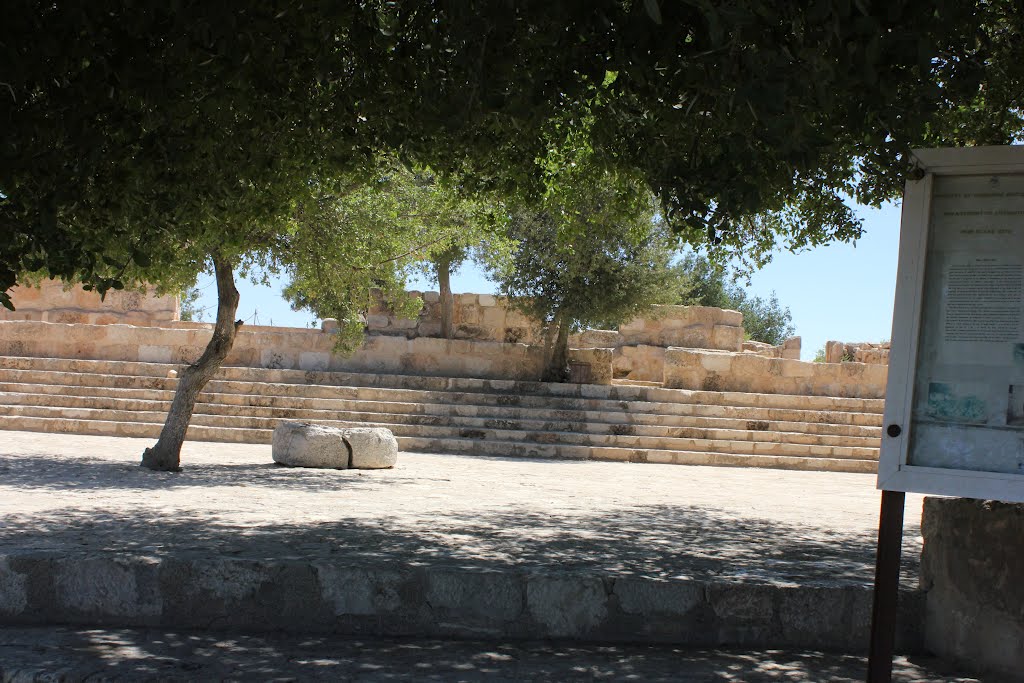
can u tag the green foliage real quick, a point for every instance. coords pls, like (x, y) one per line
(351, 244)
(190, 311)
(749, 121)
(575, 270)
(764, 320)
(819, 355)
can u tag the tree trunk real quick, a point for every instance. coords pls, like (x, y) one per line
(166, 454)
(557, 369)
(444, 283)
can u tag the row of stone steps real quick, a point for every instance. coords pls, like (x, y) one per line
(480, 417)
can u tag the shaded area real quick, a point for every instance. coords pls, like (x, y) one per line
(83, 473)
(138, 655)
(651, 541)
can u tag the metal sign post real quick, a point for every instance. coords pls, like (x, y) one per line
(885, 605)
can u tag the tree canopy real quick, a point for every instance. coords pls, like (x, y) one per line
(143, 141)
(708, 284)
(122, 126)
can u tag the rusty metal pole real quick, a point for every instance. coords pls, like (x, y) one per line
(884, 608)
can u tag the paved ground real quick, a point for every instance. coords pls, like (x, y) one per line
(71, 494)
(133, 655)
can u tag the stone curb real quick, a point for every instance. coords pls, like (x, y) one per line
(297, 596)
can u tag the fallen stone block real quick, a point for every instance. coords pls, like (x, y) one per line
(302, 444)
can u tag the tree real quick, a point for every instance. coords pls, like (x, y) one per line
(571, 271)
(709, 284)
(146, 141)
(189, 298)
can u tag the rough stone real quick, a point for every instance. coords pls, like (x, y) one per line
(301, 444)
(372, 447)
(567, 606)
(972, 568)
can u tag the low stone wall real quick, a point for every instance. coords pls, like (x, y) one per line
(274, 347)
(747, 372)
(51, 302)
(787, 349)
(598, 362)
(857, 352)
(483, 317)
(479, 317)
(972, 568)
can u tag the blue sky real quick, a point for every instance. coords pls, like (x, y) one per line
(841, 291)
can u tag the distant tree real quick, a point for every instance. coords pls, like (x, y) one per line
(356, 243)
(819, 355)
(190, 310)
(764, 320)
(573, 270)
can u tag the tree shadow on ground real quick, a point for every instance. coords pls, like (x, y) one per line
(150, 655)
(667, 541)
(61, 473)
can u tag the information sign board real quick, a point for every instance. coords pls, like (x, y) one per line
(954, 411)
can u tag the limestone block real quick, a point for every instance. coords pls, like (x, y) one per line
(716, 362)
(429, 328)
(469, 314)
(566, 606)
(474, 332)
(971, 566)
(600, 361)
(493, 316)
(329, 325)
(155, 354)
(834, 351)
(431, 297)
(605, 339)
(397, 323)
(376, 321)
(301, 444)
(797, 368)
(13, 589)
(487, 300)
(313, 360)
(727, 337)
(372, 447)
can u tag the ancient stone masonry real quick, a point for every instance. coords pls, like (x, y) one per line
(51, 302)
(678, 347)
(482, 317)
(751, 373)
(857, 352)
(971, 568)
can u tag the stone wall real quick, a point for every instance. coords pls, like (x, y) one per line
(273, 347)
(51, 302)
(747, 372)
(483, 317)
(787, 349)
(857, 352)
(972, 568)
(479, 317)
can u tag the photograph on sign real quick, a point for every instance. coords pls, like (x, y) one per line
(968, 399)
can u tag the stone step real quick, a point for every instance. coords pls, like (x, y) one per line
(565, 441)
(615, 420)
(449, 397)
(456, 446)
(212, 406)
(350, 379)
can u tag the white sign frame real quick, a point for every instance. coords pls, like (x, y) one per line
(894, 473)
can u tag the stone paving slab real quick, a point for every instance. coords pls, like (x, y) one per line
(73, 493)
(71, 655)
(438, 546)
